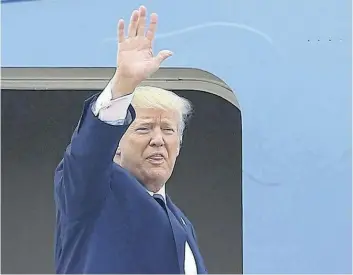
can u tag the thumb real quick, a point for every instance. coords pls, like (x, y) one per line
(163, 55)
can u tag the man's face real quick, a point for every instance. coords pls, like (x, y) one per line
(150, 146)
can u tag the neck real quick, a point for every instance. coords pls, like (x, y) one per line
(154, 188)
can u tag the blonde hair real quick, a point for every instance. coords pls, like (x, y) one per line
(153, 97)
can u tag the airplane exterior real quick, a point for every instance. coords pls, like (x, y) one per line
(289, 64)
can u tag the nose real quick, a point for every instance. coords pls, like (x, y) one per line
(157, 138)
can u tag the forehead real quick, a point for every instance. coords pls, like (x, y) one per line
(153, 115)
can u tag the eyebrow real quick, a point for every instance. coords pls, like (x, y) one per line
(149, 122)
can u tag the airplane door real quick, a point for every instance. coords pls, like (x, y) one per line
(40, 109)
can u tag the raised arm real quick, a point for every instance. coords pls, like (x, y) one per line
(82, 178)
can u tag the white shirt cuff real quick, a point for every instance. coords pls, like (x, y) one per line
(112, 111)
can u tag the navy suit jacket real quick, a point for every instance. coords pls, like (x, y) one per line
(106, 222)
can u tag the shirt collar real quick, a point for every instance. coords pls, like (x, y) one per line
(160, 192)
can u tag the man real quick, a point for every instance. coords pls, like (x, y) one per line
(113, 215)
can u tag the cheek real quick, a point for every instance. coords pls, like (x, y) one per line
(174, 149)
(137, 145)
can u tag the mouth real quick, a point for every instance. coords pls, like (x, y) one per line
(156, 158)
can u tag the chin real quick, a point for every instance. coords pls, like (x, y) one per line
(157, 175)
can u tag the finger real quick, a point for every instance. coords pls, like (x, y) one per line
(162, 55)
(133, 23)
(153, 27)
(142, 21)
(121, 35)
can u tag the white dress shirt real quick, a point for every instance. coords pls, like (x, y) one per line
(114, 112)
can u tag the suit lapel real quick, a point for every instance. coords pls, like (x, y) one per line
(189, 237)
(195, 250)
(179, 235)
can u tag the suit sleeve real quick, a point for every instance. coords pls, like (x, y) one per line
(82, 178)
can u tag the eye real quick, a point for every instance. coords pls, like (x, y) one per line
(142, 129)
(169, 130)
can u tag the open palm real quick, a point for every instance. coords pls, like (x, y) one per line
(135, 58)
